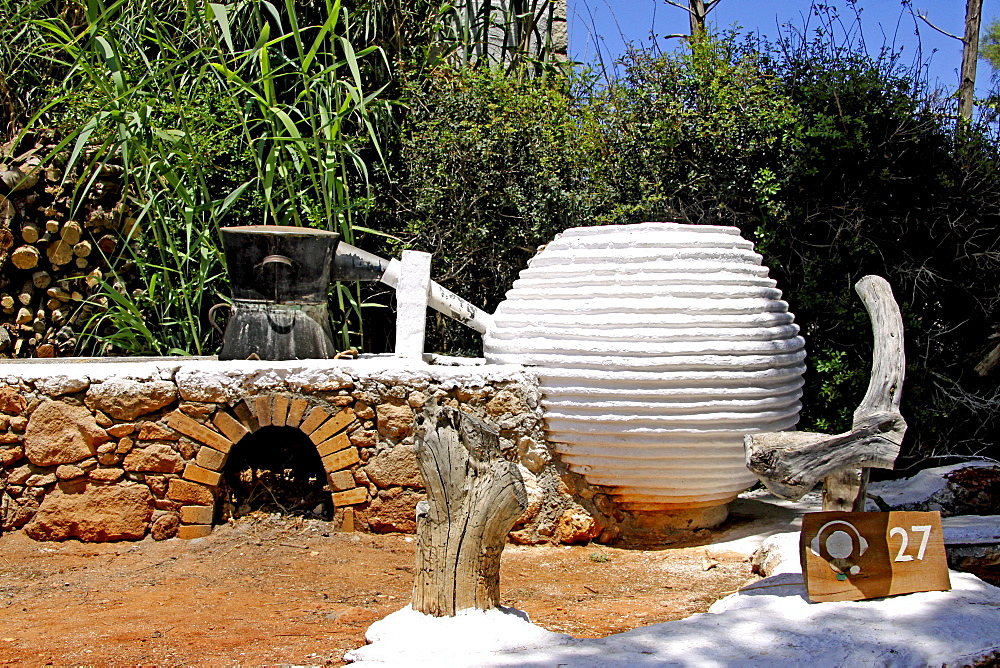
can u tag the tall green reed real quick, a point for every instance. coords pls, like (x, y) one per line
(159, 89)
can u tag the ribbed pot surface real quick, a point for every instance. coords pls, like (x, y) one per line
(658, 346)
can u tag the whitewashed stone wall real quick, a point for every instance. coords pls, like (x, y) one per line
(104, 451)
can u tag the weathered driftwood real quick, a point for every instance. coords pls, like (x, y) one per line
(791, 463)
(474, 496)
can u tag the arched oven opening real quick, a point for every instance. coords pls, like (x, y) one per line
(274, 470)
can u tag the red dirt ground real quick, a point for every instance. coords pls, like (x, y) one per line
(279, 590)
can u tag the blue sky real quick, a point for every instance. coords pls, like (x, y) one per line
(608, 24)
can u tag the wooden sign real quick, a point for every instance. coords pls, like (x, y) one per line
(854, 556)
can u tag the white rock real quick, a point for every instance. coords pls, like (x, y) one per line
(59, 384)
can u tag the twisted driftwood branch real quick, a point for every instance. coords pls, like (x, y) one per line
(791, 463)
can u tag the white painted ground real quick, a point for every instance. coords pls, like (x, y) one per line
(769, 623)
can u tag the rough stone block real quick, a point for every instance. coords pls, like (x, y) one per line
(350, 497)
(199, 432)
(246, 416)
(192, 531)
(119, 430)
(315, 419)
(279, 410)
(340, 460)
(60, 433)
(196, 514)
(196, 473)
(127, 399)
(230, 426)
(184, 491)
(295, 411)
(341, 480)
(210, 459)
(101, 513)
(394, 421)
(154, 431)
(12, 401)
(262, 404)
(106, 475)
(158, 458)
(329, 446)
(333, 425)
(395, 468)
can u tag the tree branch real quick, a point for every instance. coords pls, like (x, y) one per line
(923, 17)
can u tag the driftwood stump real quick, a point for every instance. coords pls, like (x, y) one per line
(790, 463)
(474, 496)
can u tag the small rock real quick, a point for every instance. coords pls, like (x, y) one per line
(19, 476)
(533, 455)
(576, 525)
(10, 456)
(394, 421)
(12, 401)
(157, 484)
(362, 438)
(363, 411)
(119, 430)
(60, 384)
(106, 476)
(198, 411)
(504, 402)
(395, 468)
(416, 400)
(125, 445)
(165, 526)
(154, 431)
(109, 458)
(157, 458)
(69, 472)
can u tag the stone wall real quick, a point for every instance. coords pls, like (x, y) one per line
(115, 450)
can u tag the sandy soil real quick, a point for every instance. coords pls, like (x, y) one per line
(275, 590)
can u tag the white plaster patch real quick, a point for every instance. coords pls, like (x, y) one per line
(769, 623)
(919, 489)
(449, 641)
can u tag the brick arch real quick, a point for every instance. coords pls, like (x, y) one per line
(325, 426)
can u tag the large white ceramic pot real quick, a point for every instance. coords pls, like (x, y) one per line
(658, 346)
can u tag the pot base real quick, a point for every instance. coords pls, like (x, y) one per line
(278, 332)
(656, 524)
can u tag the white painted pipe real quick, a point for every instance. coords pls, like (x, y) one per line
(445, 301)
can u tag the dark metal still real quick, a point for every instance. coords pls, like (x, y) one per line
(280, 276)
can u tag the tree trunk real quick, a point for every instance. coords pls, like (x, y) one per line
(697, 12)
(970, 56)
(474, 496)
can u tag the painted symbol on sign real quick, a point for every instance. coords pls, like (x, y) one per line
(840, 546)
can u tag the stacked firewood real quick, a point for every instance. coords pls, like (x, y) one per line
(54, 248)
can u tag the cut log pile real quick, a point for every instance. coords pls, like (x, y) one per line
(54, 251)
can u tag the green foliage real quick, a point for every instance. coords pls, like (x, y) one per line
(989, 44)
(488, 169)
(691, 136)
(210, 109)
(835, 162)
